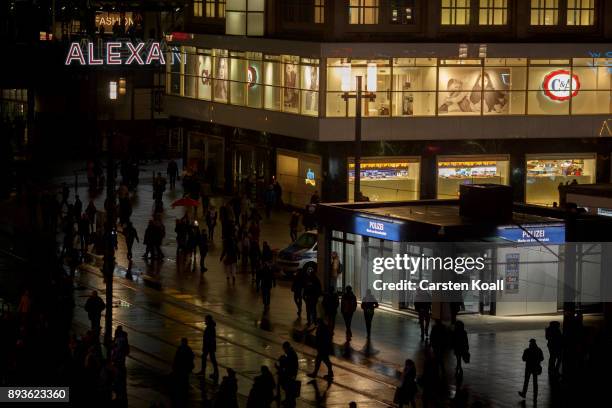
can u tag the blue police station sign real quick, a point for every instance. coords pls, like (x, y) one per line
(547, 234)
(371, 227)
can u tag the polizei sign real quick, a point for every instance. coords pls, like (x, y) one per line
(116, 53)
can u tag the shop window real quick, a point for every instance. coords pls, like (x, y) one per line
(504, 86)
(272, 82)
(197, 8)
(238, 79)
(173, 69)
(244, 17)
(342, 77)
(454, 171)
(310, 87)
(189, 61)
(493, 12)
(215, 8)
(580, 12)
(550, 90)
(595, 93)
(546, 173)
(220, 81)
(319, 11)
(291, 77)
(299, 176)
(363, 11)
(414, 87)
(402, 11)
(455, 12)
(204, 73)
(386, 178)
(254, 80)
(544, 12)
(460, 90)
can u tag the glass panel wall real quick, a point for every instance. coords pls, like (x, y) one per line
(545, 173)
(386, 178)
(456, 170)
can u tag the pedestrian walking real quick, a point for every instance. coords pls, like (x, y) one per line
(297, 287)
(266, 283)
(229, 257)
(287, 372)
(209, 348)
(172, 172)
(554, 339)
(348, 305)
(293, 225)
(91, 212)
(437, 340)
(533, 357)
(461, 346)
(422, 304)
(182, 367)
(159, 232)
(430, 379)
(406, 392)
(262, 392)
(131, 235)
(77, 206)
(83, 230)
(311, 293)
(203, 247)
(148, 241)
(330, 305)
(211, 221)
(369, 304)
(94, 307)
(121, 347)
(254, 255)
(227, 395)
(324, 347)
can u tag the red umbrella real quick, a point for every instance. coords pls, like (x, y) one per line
(185, 202)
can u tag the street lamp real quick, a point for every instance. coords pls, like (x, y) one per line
(369, 95)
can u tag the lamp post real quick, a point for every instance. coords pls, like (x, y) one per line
(109, 246)
(369, 95)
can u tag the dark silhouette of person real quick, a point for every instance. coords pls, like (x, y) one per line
(262, 392)
(227, 396)
(77, 206)
(532, 356)
(554, 343)
(348, 305)
(460, 345)
(297, 287)
(182, 366)
(287, 372)
(437, 340)
(130, 235)
(406, 392)
(324, 348)
(266, 283)
(209, 347)
(422, 305)
(311, 293)
(369, 304)
(172, 172)
(94, 307)
(429, 379)
(203, 247)
(330, 305)
(293, 225)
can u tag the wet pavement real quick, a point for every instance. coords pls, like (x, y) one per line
(157, 317)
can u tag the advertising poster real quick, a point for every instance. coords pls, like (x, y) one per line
(512, 273)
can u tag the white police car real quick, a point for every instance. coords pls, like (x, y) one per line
(300, 255)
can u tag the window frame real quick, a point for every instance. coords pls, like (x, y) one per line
(453, 10)
(578, 11)
(361, 8)
(491, 9)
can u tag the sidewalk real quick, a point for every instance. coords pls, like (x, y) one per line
(156, 319)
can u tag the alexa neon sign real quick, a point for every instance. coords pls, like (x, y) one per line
(561, 85)
(116, 53)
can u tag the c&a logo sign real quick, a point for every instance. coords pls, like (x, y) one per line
(561, 85)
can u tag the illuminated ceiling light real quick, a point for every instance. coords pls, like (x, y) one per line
(482, 51)
(112, 90)
(463, 50)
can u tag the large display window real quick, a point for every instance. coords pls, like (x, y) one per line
(299, 175)
(456, 170)
(386, 178)
(545, 173)
(414, 87)
(204, 71)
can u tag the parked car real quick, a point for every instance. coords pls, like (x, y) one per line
(300, 255)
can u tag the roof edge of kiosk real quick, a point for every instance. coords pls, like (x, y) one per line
(428, 220)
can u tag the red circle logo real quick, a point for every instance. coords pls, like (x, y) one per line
(561, 85)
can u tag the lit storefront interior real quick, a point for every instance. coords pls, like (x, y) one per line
(546, 172)
(284, 83)
(299, 176)
(456, 170)
(386, 178)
